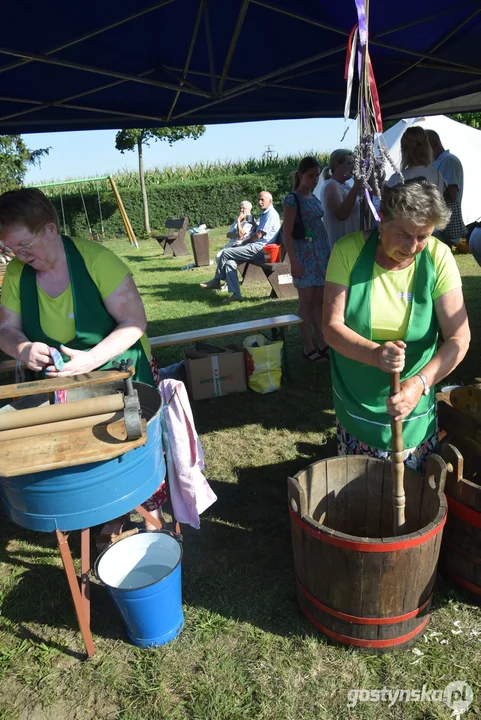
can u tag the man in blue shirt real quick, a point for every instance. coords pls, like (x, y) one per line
(250, 250)
(451, 169)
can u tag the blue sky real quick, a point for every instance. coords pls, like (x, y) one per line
(92, 153)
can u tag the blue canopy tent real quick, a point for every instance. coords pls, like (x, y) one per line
(70, 66)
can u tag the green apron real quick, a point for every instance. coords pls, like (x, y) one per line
(93, 323)
(360, 391)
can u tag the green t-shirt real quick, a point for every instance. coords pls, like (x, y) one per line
(391, 290)
(57, 319)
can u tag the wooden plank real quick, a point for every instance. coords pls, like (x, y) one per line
(337, 494)
(375, 475)
(66, 449)
(316, 491)
(224, 330)
(413, 488)
(356, 495)
(98, 377)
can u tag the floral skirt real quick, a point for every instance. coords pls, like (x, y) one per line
(414, 458)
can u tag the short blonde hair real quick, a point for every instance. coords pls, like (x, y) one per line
(415, 148)
(247, 204)
(416, 200)
(27, 206)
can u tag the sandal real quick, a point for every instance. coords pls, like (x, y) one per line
(314, 356)
(324, 353)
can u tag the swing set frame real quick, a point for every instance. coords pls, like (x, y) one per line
(123, 213)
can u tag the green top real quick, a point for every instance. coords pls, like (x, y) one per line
(360, 391)
(93, 323)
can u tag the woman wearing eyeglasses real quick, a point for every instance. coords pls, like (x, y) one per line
(74, 295)
(389, 294)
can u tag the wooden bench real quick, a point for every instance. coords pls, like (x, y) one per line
(278, 275)
(276, 325)
(174, 242)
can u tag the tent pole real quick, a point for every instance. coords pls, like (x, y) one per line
(188, 58)
(233, 44)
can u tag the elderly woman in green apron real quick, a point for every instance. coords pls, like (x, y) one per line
(389, 295)
(73, 295)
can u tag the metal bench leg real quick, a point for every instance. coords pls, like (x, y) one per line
(278, 334)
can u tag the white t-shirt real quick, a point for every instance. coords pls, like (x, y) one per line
(430, 173)
(451, 169)
(335, 228)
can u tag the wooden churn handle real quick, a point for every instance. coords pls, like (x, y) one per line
(36, 387)
(397, 466)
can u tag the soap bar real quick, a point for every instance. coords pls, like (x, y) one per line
(57, 359)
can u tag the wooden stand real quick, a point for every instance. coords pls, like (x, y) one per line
(81, 591)
(200, 249)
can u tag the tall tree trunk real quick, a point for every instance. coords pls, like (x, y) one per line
(145, 203)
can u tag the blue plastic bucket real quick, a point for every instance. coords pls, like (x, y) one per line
(142, 573)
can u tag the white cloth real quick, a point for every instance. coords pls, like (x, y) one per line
(431, 174)
(336, 229)
(270, 224)
(190, 492)
(451, 169)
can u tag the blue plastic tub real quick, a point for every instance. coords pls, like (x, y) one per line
(79, 497)
(142, 574)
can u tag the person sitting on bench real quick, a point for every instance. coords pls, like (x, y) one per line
(241, 229)
(249, 249)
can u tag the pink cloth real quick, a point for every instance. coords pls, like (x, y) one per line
(190, 492)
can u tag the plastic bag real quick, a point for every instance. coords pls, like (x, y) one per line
(264, 363)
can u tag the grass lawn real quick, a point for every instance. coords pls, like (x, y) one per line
(246, 651)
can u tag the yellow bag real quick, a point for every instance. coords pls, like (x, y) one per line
(264, 363)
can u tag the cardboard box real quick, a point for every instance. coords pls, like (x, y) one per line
(212, 375)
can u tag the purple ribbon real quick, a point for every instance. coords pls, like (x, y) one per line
(371, 206)
(361, 16)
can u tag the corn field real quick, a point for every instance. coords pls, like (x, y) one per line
(154, 178)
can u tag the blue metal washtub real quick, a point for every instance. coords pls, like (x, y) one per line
(73, 498)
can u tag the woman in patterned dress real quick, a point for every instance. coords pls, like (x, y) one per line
(308, 254)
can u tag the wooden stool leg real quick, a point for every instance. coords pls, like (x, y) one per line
(85, 572)
(75, 592)
(155, 521)
(147, 516)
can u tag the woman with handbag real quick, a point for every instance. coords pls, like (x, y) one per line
(307, 245)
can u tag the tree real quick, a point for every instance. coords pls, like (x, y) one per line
(136, 138)
(15, 157)
(470, 118)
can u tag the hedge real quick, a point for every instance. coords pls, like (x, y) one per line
(214, 201)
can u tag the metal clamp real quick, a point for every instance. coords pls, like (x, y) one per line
(132, 412)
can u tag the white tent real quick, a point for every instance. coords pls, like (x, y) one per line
(461, 140)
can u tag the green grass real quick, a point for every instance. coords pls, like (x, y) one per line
(246, 652)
